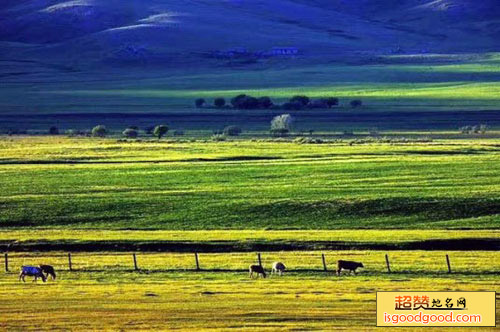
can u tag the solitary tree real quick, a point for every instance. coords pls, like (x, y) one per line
(265, 102)
(130, 133)
(332, 101)
(160, 131)
(199, 102)
(99, 131)
(304, 100)
(232, 131)
(281, 125)
(71, 132)
(236, 100)
(219, 102)
(53, 130)
(245, 102)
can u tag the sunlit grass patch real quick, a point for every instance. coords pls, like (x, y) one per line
(445, 92)
(158, 299)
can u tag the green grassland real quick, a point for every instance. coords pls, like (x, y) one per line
(88, 183)
(398, 83)
(105, 294)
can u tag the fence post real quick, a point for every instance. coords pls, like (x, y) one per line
(260, 261)
(197, 261)
(448, 263)
(324, 262)
(69, 262)
(135, 262)
(387, 263)
(6, 262)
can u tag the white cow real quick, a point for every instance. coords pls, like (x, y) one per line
(278, 268)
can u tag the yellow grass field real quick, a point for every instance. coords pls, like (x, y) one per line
(374, 236)
(104, 293)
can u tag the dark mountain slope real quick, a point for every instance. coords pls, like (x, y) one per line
(166, 31)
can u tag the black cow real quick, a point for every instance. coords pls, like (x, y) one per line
(48, 270)
(348, 265)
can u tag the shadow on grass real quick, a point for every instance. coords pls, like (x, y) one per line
(329, 273)
(485, 244)
(96, 161)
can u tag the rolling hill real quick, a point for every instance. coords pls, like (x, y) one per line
(108, 31)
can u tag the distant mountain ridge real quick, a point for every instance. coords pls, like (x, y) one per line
(107, 31)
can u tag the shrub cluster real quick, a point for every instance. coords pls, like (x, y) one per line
(15, 131)
(218, 137)
(99, 131)
(308, 140)
(477, 129)
(393, 140)
(160, 131)
(232, 131)
(130, 133)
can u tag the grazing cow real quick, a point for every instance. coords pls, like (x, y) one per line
(48, 270)
(278, 268)
(348, 265)
(259, 270)
(32, 271)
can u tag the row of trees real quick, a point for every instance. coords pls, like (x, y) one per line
(158, 131)
(130, 132)
(298, 102)
(281, 125)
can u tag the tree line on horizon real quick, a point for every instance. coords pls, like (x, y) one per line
(296, 103)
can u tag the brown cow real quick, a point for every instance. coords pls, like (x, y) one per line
(348, 265)
(257, 269)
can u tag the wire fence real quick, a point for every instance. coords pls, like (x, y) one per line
(306, 261)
